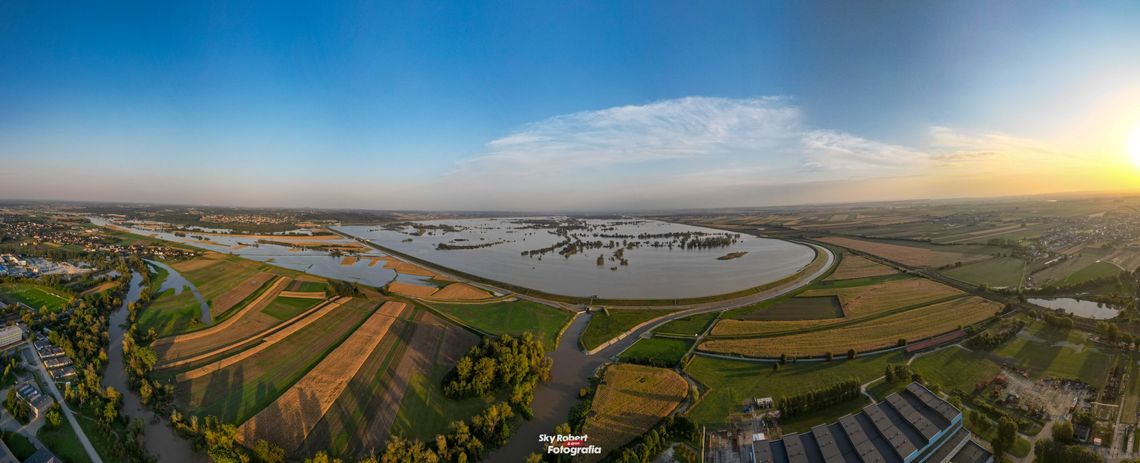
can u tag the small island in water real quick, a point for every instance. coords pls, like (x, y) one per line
(732, 255)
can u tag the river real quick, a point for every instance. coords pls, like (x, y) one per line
(159, 438)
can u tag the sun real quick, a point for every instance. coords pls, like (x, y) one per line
(1134, 147)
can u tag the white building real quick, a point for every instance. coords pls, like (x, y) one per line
(10, 335)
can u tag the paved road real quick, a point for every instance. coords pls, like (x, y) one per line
(87, 447)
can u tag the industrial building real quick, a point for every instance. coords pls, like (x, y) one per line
(911, 426)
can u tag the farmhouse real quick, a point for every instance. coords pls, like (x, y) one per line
(911, 426)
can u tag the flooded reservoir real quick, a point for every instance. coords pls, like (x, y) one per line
(612, 258)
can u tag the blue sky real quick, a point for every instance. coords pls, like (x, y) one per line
(561, 105)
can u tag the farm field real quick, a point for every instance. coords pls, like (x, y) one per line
(659, 351)
(363, 416)
(853, 266)
(513, 317)
(230, 299)
(688, 326)
(857, 302)
(801, 308)
(882, 332)
(34, 296)
(606, 325)
(240, 391)
(1050, 352)
(630, 400)
(730, 382)
(284, 308)
(1077, 269)
(996, 272)
(290, 419)
(914, 256)
(247, 321)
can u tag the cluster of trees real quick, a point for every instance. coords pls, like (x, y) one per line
(18, 408)
(507, 362)
(462, 247)
(898, 372)
(463, 443)
(652, 443)
(218, 440)
(990, 339)
(1058, 321)
(504, 364)
(1005, 437)
(818, 399)
(1062, 447)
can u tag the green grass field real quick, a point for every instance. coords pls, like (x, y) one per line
(63, 442)
(515, 317)
(730, 382)
(800, 308)
(657, 351)
(284, 308)
(1093, 271)
(21, 447)
(688, 326)
(956, 369)
(1048, 352)
(996, 272)
(34, 296)
(311, 286)
(426, 412)
(223, 276)
(603, 327)
(170, 314)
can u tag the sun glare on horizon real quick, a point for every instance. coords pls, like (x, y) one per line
(1134, 147)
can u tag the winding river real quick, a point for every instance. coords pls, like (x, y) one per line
(177, 282)
(159, 438)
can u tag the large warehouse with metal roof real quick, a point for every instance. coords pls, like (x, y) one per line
(911, 426)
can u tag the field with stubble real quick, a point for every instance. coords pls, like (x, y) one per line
(630, 400)
(914, 256)
(912, 325)
(853, 266)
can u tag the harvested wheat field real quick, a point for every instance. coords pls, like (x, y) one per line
(362, 417)
(630, 400)
(198, 263)
(857, 301)
(460, 292)
(233, 297)
(304, 294)
(411, 290)
(911, 325)
(266, 342)
(408, 268)
(290, 419)
(907, 255)
(349, 261)
(100, 288)
(243, 334)
(162, 345)
(859, 267)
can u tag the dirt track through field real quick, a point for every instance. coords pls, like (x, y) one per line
(290, 418)
(265, 343)
(246, 340)
(304, 294)
(253, 307)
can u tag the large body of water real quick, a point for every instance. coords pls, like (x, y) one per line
(653, 270)
(311, 261)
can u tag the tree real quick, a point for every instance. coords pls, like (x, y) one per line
(266, 452)
(54, 416)
(851, 354)
(1005, 438)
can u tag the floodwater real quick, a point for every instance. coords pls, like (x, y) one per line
(1079, 307)
(654, 269)
(177, 282)
(312, 261)
(159, 438)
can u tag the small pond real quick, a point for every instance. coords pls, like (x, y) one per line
(1079, 307)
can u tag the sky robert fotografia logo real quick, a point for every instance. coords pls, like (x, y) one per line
(568, 444)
